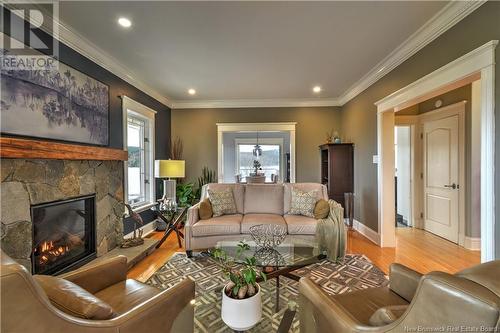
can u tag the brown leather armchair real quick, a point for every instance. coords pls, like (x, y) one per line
(469, 299)
(136, 307)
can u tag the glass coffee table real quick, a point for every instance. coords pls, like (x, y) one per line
(276, 262)
(282, 260)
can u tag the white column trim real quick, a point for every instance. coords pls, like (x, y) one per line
(477, 64)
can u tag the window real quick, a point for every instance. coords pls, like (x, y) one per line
(139, 142)
(270, 159)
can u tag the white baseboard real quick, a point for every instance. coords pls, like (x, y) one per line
(147, 229)
(367, 232)
(472, 243)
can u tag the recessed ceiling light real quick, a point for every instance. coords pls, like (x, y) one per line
(317, 89)
(191, 91)
(124, 22)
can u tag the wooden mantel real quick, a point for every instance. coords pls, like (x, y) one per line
(32, 149)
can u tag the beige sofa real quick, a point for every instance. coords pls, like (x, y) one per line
(255, 204)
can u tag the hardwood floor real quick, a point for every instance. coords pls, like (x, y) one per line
(415, 248)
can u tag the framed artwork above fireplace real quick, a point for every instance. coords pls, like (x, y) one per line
(58, 103)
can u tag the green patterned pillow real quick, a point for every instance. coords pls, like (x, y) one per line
(222, 202)
(303, 203)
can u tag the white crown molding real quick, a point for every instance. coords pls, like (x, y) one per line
(443, 20)
(255, 103)
(460, 68)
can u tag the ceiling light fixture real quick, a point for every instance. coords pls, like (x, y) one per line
(317, 89)
(191, 91)
(124, 22)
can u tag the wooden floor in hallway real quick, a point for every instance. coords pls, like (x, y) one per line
(415, 248)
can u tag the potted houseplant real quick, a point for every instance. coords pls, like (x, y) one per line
(241, 296)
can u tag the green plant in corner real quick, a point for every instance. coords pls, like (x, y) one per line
(243, 281)
(185, 194)
(207, 177)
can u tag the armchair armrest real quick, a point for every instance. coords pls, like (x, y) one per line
(445, 300)
(403, 281)
(169, 311)
(103, 274)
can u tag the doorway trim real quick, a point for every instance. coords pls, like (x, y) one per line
(477, 64)
(255, 127)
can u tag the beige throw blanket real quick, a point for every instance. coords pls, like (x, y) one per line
(331, 233)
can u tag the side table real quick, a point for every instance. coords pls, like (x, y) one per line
(173, 220)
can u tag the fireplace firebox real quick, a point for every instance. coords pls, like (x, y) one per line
(63, 235)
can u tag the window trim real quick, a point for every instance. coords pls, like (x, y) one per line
(134, 108)
(262, 141)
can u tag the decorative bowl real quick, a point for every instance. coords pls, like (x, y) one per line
(268, 235)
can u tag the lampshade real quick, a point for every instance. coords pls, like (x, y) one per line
(169, 169)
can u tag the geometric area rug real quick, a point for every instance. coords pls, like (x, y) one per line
(355, 273)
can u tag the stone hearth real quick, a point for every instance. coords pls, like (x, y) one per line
(28, 182)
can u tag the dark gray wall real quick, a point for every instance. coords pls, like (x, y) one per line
(118, 87)
(359, 116)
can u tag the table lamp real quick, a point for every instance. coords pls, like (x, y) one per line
(169, 170)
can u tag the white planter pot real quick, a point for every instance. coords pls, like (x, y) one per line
(241, 314)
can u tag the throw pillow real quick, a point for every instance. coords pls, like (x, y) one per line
(205, 210)
(303, 203)
(73, 299)
(321, 209)
(222, 202)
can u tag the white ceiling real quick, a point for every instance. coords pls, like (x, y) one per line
(248, 50)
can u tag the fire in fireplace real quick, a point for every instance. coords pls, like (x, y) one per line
(63, 234)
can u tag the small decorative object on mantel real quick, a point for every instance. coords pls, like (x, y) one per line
(137, 236)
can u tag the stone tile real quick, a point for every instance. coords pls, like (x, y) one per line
(40, 193)
(16, 239)
(7, 167)
(15, 203)
(54, 171)
(30, 172)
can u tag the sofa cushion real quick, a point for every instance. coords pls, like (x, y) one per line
(222, 202)
(300, 225)
(264, 199)
(126, 295)
(238, 193)
(321, 193)
(73, 299)
(255, 219)
(220, 225)
(321, 209)
(205, 211)
(303, 203)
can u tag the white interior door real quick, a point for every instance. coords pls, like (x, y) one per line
(441, 177)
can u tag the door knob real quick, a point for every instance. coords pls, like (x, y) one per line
(452, 186)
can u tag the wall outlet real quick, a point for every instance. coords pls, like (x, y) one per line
(375, 159)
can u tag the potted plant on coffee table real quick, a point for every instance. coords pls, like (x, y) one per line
(241, 296)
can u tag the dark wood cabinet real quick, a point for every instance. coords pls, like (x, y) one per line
(337, 169)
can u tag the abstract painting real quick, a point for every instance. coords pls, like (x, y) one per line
(60, 104)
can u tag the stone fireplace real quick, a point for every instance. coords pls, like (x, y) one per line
(31, 183)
